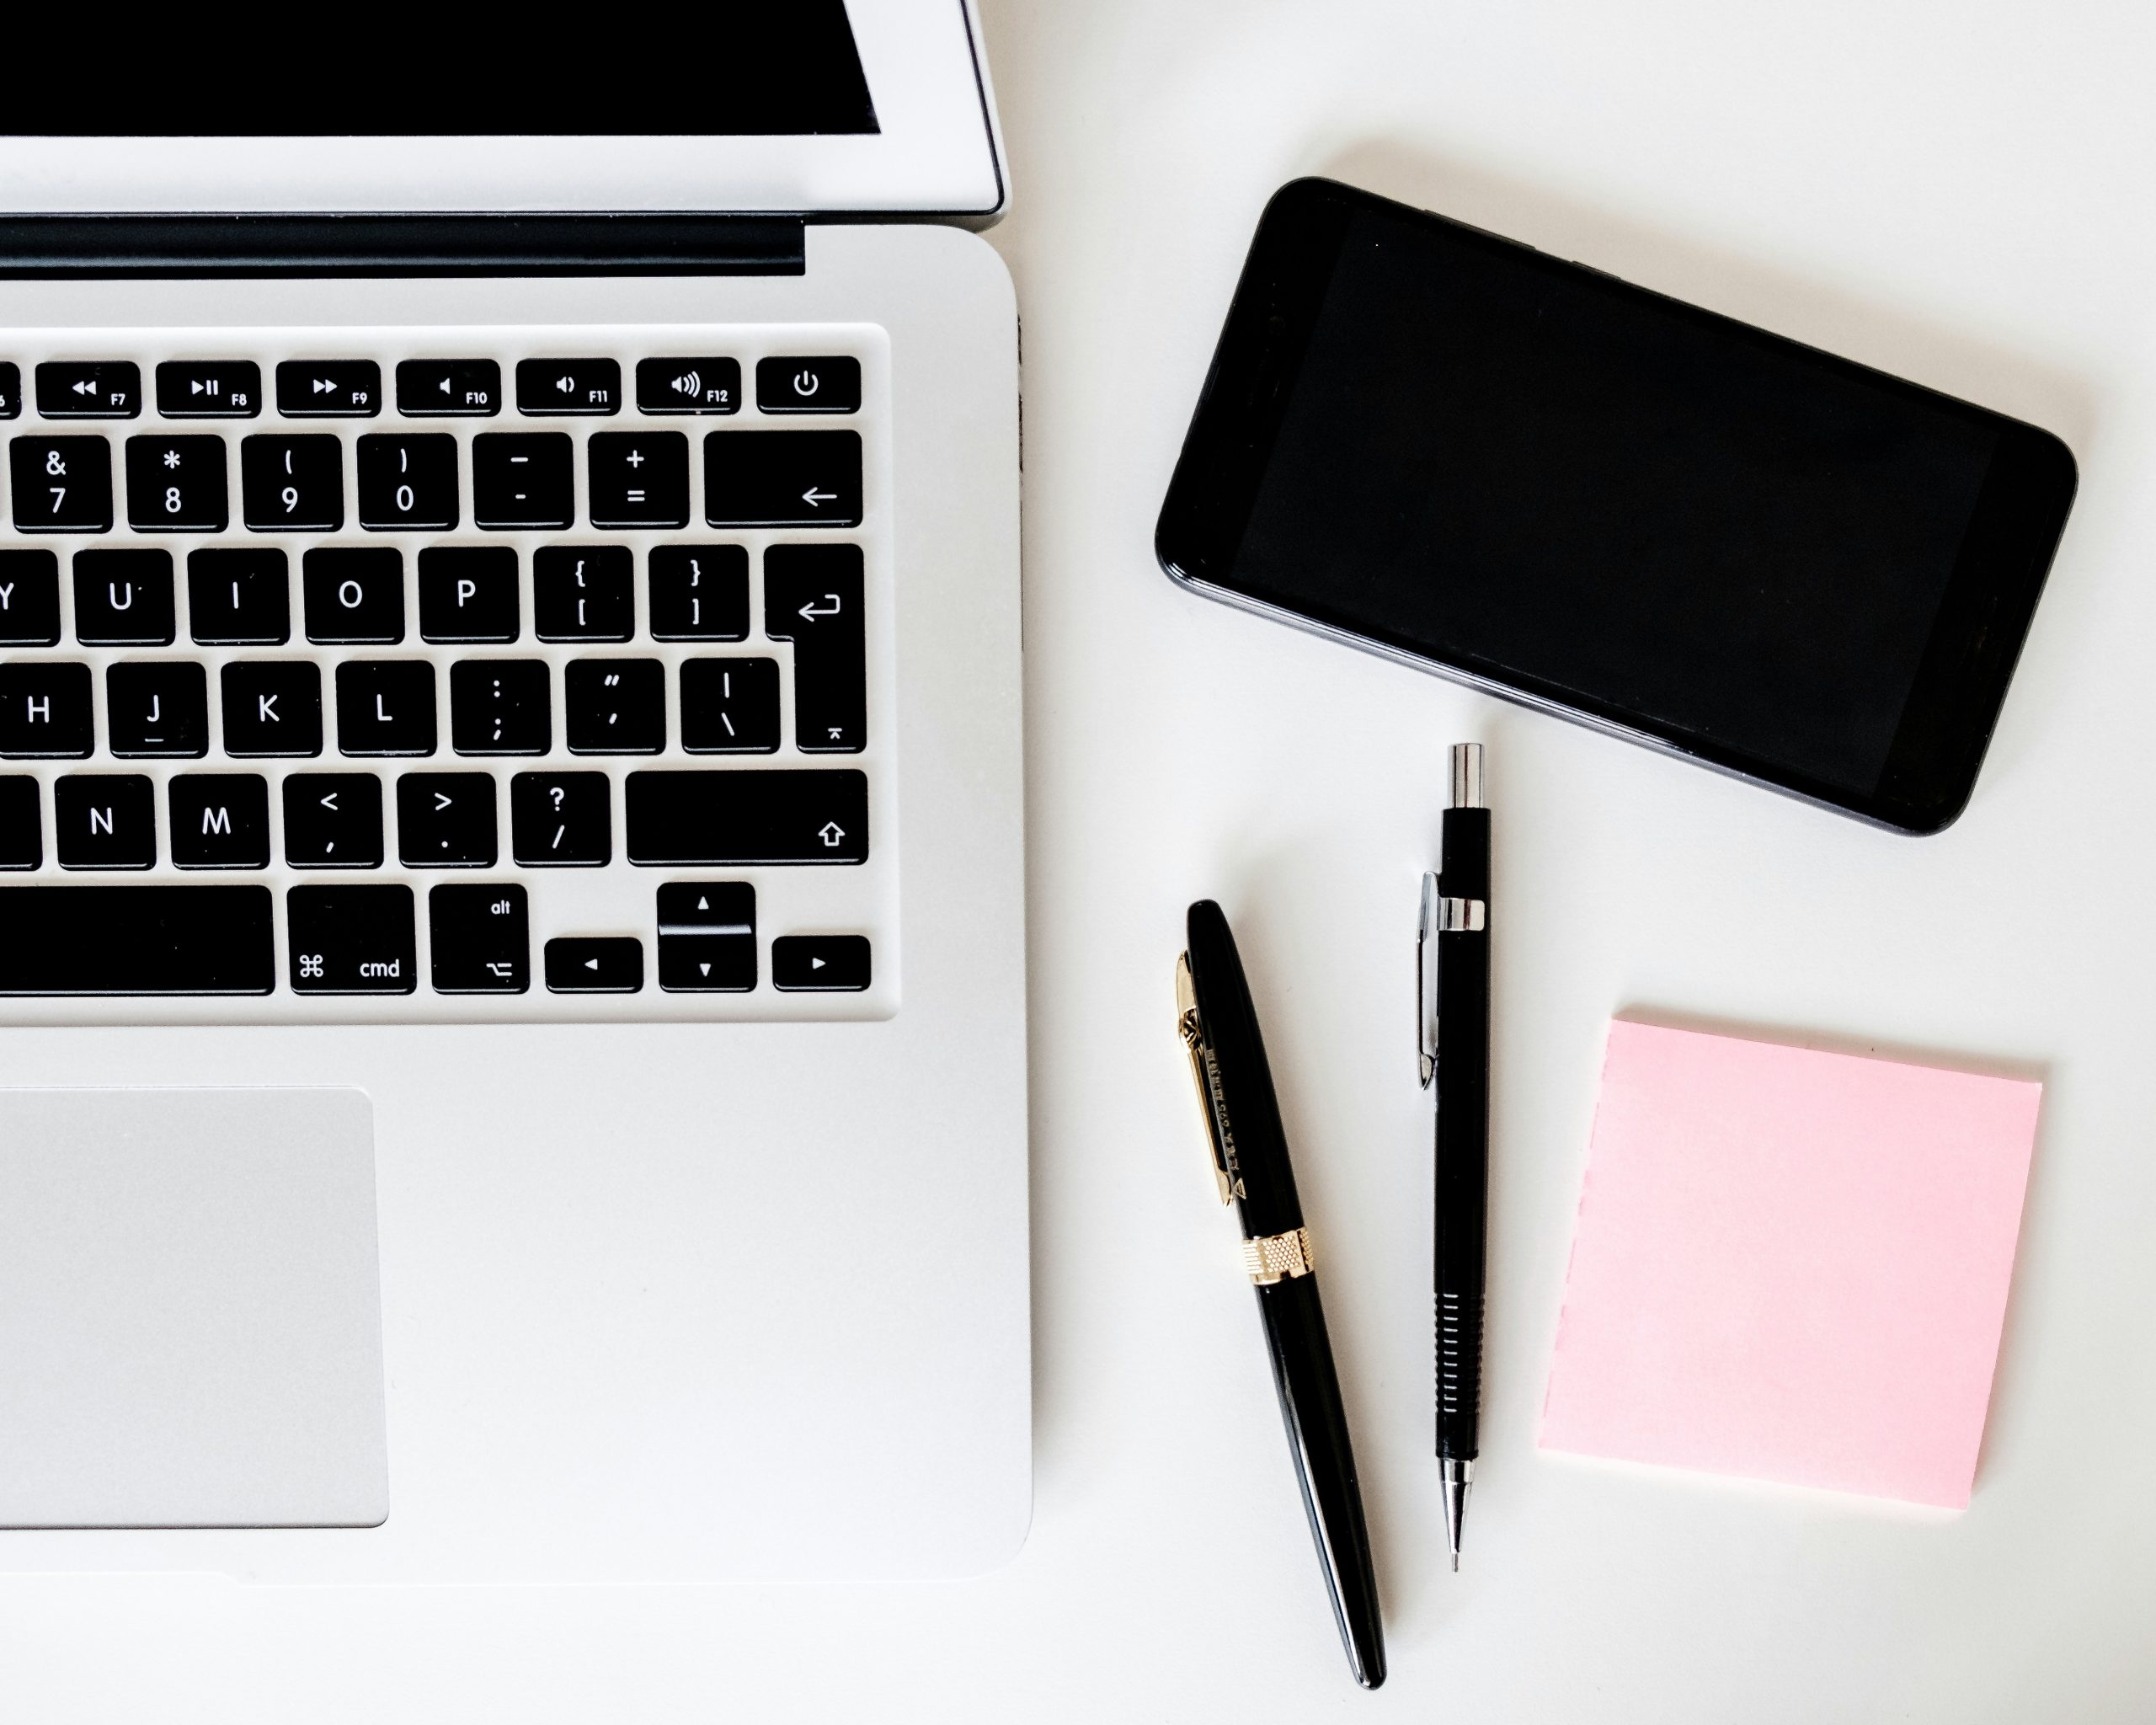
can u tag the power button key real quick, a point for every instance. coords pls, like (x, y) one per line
(812, 383)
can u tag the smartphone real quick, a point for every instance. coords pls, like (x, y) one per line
(1451, 449)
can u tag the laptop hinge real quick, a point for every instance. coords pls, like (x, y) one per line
(418, 244)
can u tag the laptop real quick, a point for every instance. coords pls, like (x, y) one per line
(512, 996)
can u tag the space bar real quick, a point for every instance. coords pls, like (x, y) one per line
(90, 940)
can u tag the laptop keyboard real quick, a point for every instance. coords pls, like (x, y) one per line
(495, 673)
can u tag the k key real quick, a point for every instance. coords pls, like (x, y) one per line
(272, 707)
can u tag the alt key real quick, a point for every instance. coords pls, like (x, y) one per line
(828, 963)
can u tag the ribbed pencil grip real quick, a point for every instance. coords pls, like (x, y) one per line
(1459, 1373)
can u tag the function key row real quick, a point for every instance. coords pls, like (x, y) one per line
(449, 388)
(411, 482)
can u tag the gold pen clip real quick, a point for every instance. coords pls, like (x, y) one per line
(1218, 1135)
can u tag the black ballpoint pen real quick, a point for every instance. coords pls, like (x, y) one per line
(1219, 1026)
(1452, 963)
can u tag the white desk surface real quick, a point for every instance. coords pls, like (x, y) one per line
(1959, 192)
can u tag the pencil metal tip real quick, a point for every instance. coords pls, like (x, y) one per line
(1458, 1476)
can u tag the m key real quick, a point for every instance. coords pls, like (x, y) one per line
(812, 598)
(220, 820)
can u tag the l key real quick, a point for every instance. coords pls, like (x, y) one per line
(812, 598)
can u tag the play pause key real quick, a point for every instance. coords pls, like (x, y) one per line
(706, 936)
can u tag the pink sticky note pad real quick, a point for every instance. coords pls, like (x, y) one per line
(1791, 1265)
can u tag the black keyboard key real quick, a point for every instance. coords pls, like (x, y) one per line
(820, 964)
(468, 593)
(45, 712)
(209, 389)
(61, 485)
(500, 706)
(136, 940)
(22, 831)
(605, 964)
(407, 482)
(124, 598)
(561, 820)
(482, 938)
(812, 598)
(11, 390)
(729, 706)
(569, 387)
(385, 707)
(449, 389)
(716, 817)
(29, 599)
(523, 479)
(239, 596)
(156, 709)
(333, 821)
(706, 936)
(292, 484)
(96, 389)
(352, 940)
(354, 595)
(782, 479)
(639, 479)
(584, 593)
(177, 485)
(699, 592)
(808, 383)
(220, 820)
(105, 820)
(272, 708)
(707, 386)
(446, 821)
(613, 706)
(329, 389)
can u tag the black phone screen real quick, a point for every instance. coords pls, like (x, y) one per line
(1523, 469)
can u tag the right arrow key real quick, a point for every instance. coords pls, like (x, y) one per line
(782, 479)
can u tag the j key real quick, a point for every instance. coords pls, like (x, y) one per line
(594, 965)
(239, 596)
(61, 485)
(569, 387)
(523, 479)
(354, 595)
(45, 712)
(352, 940)
(706, 936)
(123, 598)
(584, 593)
(699, 592)
(461, 389)
(500, 706)
(639, 479)
(272, 708)
(22, 833)
(820, 964)
(561, 820)
(177, 485)
(220, 820)
(292, 484)
(482, 939)
(105, 820)
(722, 818)
(782, 479)
(812, 598)
(29, 599)
(729, 706)
(688, 385)
(613, 706)
(333, 821)
(11, 390)
(157, 710)
(407, 482)
(468, 593)
(812, 383)
(385, 707)
(100, 389)
(329, 389)
(209, 389)
(446, 821)
(139, 940)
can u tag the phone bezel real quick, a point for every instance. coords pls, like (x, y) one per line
(1954, 702)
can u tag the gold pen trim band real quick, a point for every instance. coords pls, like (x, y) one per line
(1272, 1257)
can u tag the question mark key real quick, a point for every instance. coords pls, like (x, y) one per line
(562, 819)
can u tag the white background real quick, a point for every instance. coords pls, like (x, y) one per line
(1958, 192)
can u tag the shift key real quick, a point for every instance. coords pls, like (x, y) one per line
(731, 816)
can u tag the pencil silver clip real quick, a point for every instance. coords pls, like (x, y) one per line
(1426, 978)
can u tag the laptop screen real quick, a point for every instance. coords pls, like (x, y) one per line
(773, 68)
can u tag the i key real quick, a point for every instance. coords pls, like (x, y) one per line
(333, 821)
(561, 820)
(239, 596)
(812, 598)
(292, 484)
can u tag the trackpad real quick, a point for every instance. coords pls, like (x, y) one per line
(190, 1310)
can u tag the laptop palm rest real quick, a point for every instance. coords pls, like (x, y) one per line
(190, 1312)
